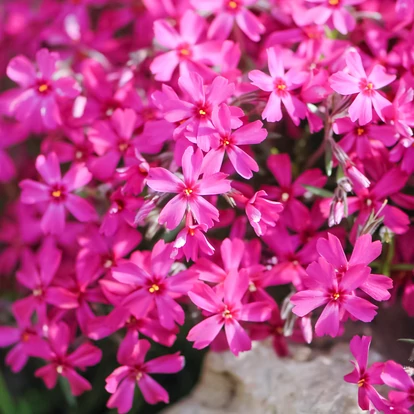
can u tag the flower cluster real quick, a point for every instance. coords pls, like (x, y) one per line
(228, 165)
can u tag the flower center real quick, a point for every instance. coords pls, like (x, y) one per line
(368, 202)
(108, 263)
(184, 51)
(25, 336)
(43, 88)
(59, 369)
(38, 292)
(154, 288)
(370, 86)
(188, 191)
(191, 232)
(252, 287)
(123, 146)
(333, 2)
(360, 131)
(138, 376)
(227, 314)
(233, 5)
(202, 112)
(335, 296)
(56, 193)
(78, 154)
(285, 197)
(361, 382)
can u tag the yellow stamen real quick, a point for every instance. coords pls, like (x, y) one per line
(202, 112)
(360, 131)
(333, 2)
(188, 191)
(59, 369)
(281, 87)
(108, 263)
(285, 197)
(56, 193)
(138, 376)
(252, 287)
(233, 4)
(227, 314)
(123, 146)
(154, 288)
(370, 85)
(335, 296)
(43, 88)
(184, 52)
(37, 292)
(361, 382)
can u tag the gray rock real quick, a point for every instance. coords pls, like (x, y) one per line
(311, 382)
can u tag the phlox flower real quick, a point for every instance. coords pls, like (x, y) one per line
(189, 191)
(226, 311)
(363, 376)
(324, 287)
(356, 81)
(227, 12)
(60, 362)
(228, 142)
(37, 100)
(134, 371)
(56, 192)
(151, 287)
(335, 11)
(187, 48)
(280, 85)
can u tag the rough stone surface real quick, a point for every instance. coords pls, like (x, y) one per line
(311, 382)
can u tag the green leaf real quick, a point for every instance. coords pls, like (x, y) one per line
(65, 387)
(319, 191)
(6, 400)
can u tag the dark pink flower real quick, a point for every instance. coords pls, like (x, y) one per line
(56, 192)
(363, 376)
(134, 371)
(356, 81)
(226, 310)
(227, 12)
(55, 351)
(189, 191)
(280, 85)
(37, 101)
(324, 287)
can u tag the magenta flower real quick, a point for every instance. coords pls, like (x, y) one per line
(134, 371)
(324, 287)
(356, 81)
(57, 193)
(55, 351)
(37, 100)
(365, 377)
(191, 240)
(189, 191)
(227, 12)
(335, 11)
(228, 143)
(194, 115)
(186, 48)
(395, 376)
(151, 286)
(111, 140)
(280, 85)
(21, 337)
(365, 251)
(289, 190)
(37, 274)
(226, 311)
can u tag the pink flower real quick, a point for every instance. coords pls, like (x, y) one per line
(186, 48)
(151, 287)
(192, 240)
(356, 81)
(342, 19)
(324, 287)
(134, 371)
(280, 85)
(111, 140)
(37, 100)
(194, 115)
(55, 351)
(228, 143)
(227, 12)
(365, 251)
(395, 376)
(37, 274)
(57, 193)
(226, 311)
(365, 377)
(189, 191)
